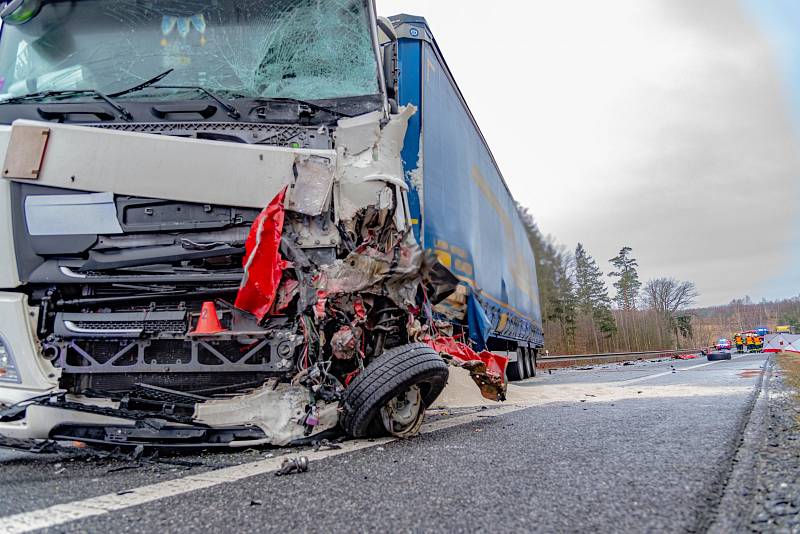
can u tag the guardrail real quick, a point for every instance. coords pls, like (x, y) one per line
(552, 362)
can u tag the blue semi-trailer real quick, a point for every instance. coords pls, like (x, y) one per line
(462, 207)
(254, 221)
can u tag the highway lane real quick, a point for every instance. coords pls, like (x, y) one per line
(617, 447)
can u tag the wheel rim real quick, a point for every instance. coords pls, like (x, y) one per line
(402, 415)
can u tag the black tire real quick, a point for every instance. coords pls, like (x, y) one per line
(532, 358)
(530, 372)
(516, 369)
(392, 373)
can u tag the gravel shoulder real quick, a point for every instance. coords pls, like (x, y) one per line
(776, 506)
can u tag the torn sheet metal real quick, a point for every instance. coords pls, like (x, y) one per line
(440, 282)
(395, 274)
(263, 265)
(480, 326)
(281, 410)
(368, 159)
(486, 368)
(311, 192)
(344, 343)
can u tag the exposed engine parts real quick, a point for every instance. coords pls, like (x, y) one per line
(246, 326)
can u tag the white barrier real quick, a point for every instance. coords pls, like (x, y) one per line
(782, 343)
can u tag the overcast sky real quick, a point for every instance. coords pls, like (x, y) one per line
(663, 125)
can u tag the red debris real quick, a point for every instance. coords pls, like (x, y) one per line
(358, 308)
(350, 376)
(686, 356)
(263, 265)
(486, 368)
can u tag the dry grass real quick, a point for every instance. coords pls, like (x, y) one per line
(790, 368)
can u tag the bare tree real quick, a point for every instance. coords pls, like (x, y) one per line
(668, 295)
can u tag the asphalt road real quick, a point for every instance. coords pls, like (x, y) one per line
(616, 448)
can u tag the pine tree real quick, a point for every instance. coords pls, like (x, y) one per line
(628, 283)
(556, 288)
(591, 293)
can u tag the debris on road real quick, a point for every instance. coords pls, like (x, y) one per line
(486, 368)
(293, 465)
(325, 444)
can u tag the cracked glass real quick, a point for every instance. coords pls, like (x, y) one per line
(305, 49)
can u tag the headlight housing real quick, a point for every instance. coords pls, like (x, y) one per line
(8, 367)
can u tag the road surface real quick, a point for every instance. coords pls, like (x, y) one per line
(615, 448)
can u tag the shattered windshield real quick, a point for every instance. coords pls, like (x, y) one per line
(306, 49)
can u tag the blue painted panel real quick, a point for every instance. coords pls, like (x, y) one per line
(410, 88)
(468, 216)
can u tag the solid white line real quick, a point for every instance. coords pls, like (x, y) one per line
(111, 502)
(665, 373)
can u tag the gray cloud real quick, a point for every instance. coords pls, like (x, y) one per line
(661, 125)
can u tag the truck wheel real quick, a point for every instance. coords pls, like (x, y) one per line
(392, 393)
(516, 369)
(532, 359)
(529, 372)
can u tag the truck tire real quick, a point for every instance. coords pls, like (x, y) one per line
(414, 371)
(532, 359)
(529, 372)
(516, 369)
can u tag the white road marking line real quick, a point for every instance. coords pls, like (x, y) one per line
(111, 502)
(665, 373)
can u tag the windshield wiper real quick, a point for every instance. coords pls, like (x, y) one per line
(143, 85)
(309, 105)
(232, 111)
(42, 95)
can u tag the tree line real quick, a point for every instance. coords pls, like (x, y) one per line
(579, 315)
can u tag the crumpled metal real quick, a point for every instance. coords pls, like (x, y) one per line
(485, 368)
(395, 274)
(344, 343)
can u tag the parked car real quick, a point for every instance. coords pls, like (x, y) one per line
(722, 343)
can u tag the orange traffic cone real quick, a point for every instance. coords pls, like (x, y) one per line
(208, 322)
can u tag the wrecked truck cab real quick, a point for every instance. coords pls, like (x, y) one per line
(216, 254)
(166, 327)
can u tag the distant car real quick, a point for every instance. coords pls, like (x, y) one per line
(722, 343)
(719, 354)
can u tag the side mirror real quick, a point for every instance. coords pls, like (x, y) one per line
(16, 12)
(389, 56)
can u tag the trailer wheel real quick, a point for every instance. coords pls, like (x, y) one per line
(516, 369)
(526, 356)
(390, 396)
(532, 360)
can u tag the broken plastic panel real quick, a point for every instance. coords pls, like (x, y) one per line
(263, 265)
